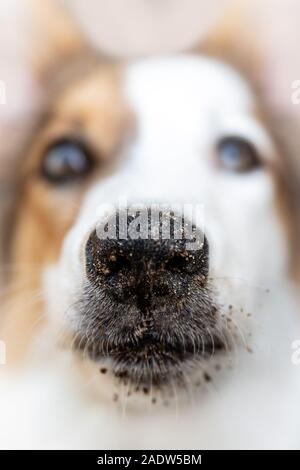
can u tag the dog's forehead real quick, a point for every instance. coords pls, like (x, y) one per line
(177, 87)
(187, 100)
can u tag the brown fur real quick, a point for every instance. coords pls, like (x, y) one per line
(53, 37)
(93, 109)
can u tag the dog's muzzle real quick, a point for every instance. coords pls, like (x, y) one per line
(147, 303)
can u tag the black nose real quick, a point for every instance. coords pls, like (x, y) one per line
(147, 271)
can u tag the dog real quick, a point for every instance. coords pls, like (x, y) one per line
(145, 341)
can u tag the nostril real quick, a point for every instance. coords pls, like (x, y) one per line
(117, 263)
(177, 263)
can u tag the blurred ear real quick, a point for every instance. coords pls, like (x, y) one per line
(35, 37)
(51, 36)
(236, 38)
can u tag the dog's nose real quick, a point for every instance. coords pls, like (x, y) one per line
(146, 271)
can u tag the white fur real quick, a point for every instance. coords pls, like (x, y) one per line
(183, 105)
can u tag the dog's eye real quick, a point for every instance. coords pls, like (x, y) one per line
(66, 161)
(236, 154)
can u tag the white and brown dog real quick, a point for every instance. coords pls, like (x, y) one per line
(139, 342)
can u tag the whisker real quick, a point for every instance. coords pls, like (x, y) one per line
(240, 332)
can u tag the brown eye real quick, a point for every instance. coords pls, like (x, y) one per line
(237, 155)
(65, 162)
